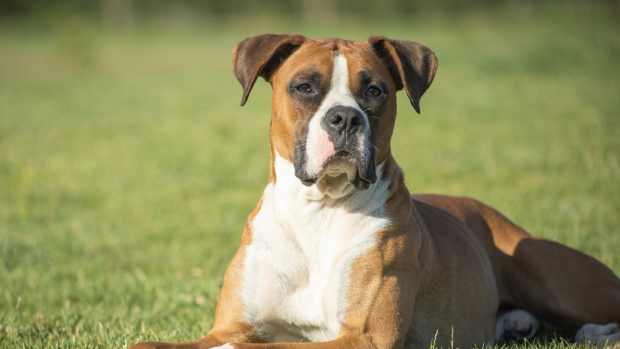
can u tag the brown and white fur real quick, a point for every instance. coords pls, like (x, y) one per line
(338, 254)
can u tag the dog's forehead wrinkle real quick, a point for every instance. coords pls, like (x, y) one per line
(334, 43)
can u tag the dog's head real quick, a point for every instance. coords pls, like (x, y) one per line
(334, 101)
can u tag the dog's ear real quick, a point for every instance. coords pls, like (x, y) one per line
(260, 56)
(412, 65)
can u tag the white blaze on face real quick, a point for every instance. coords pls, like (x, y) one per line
(318, 146)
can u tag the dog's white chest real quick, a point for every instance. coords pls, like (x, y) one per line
(297, 267)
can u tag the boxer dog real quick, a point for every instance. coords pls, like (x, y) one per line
(338, 253)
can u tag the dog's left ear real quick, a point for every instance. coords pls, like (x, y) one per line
(260, 56)
(412, 65)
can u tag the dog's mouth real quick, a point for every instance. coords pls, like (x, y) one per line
(343, 169)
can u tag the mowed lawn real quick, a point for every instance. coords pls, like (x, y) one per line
(127, 167)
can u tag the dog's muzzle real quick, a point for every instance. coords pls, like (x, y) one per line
(353, 153)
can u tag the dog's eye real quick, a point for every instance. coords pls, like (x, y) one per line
(373, 91)
(305, 89)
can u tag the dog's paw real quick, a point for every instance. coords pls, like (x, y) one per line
(516, 325)
(600, 335)
(224, 346)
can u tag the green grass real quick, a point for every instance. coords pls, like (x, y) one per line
(127, 167)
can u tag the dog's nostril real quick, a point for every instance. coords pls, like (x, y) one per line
(337, 120)
(355, 121)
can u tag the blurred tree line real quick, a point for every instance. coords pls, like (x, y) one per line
(129, 10)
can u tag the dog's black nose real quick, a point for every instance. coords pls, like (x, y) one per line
(340, 121)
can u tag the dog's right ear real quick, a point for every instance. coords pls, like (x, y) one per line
(260, 56)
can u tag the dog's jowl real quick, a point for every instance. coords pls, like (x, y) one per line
(338, 254)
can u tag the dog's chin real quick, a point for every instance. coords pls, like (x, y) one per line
(339, 177)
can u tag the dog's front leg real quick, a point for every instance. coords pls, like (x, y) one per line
(378, 322)
(379, 306)
(379, 312)
(214, 339)
(344, 342)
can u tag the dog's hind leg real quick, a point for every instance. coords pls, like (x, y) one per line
(559, 285)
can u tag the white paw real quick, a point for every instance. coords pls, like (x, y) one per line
(598, 334)
(515, 325)
(224, 346)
